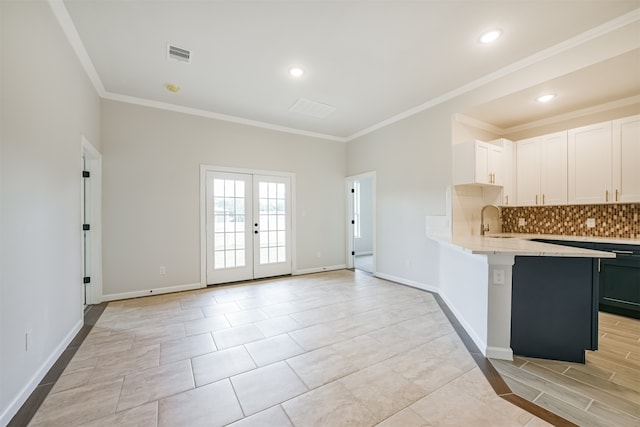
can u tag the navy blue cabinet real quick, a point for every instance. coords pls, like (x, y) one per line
(618, 278)
(554, 312)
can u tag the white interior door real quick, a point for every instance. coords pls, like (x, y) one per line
(248, 226)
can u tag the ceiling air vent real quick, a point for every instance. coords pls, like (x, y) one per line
(312, 108)
(178, 54)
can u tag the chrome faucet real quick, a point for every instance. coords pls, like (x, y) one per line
(484, 228)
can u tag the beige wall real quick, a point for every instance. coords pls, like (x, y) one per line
(47, 104)
(412, 161)
(151, 193)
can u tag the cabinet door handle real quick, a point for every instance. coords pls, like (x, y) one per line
(543, 198)
(622, 252)
(606, 195)
(536, 199)
(616, 194)
(506, 199)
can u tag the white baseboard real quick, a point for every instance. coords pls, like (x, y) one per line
(35, 379)
(499, 353)
(482, 346)
(154, 291)
(319, 269)
(407, 282)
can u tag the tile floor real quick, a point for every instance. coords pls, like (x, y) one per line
(332, 349)
(605, 391)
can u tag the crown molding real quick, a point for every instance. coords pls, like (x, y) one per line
(211, 115)
(620, 103)
(568, 44)
(478, 124)
(64, 19)
(62, 15)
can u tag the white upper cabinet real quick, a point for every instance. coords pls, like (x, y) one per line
(590, 164)
(626, 159)
(508, 171)
(477, 162)
(541, 170)
(528, 171)
(553, 169)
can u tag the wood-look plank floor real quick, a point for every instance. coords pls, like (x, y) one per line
(605, 391)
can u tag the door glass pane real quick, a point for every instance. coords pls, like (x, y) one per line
(240, 261)
(229, 220)
(240, 241)
(272, 202)
(219, 223)
(218, 241)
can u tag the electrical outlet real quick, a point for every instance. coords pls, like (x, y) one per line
(163, 270)
(521, 222)
(591, 222)
(498, 277)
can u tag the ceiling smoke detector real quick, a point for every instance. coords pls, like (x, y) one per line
(178, 54)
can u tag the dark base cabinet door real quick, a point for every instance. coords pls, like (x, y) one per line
(554, 313)
(620, 285)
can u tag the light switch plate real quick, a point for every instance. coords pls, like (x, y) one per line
(521, 222)
(591, 222)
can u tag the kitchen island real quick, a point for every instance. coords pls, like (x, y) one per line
(476, 281)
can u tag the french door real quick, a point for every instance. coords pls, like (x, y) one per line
(248, 226)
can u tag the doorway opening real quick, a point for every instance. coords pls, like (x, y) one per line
(248, 227)
(361, 239)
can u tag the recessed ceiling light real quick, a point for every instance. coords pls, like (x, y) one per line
(296, 72)
(490, 36)
(546, 98)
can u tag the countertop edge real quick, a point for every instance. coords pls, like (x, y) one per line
(517, 246)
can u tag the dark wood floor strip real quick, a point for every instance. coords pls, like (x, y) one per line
(493, 376)
(29, 408)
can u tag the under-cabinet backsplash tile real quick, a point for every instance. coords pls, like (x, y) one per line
(611, 220)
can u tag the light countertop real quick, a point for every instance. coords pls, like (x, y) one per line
(509, 244)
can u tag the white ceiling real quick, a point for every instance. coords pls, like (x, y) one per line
(372, 60)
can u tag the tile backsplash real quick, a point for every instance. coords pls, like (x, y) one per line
(611, 220)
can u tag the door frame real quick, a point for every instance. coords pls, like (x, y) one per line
(349, 217)
(203, 211)
(94, 158)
